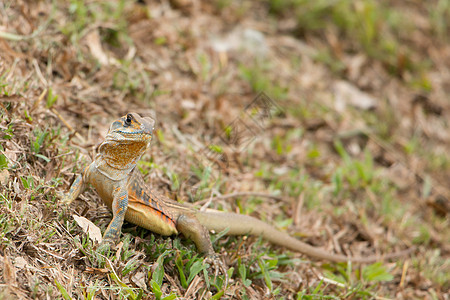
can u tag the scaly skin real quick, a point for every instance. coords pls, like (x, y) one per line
(120, 185)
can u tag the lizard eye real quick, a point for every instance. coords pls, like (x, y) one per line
(128, 120)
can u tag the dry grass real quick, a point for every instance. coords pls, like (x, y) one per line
(352, 177)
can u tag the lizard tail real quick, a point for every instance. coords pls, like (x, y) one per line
(242, 225)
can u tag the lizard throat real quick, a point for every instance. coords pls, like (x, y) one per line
(117, 159)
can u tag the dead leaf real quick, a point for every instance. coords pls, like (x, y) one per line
(95, 46)
(4, 176)
(140, 279)
(97, 270)
(348, 94)
(246, 39)
(11, 151)
(9, 272)
(20, 262)
(90, 228)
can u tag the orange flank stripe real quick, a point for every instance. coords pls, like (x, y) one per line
(153, 207)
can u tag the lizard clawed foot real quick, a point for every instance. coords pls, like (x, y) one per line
(218, 265)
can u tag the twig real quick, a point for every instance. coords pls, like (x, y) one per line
(39, 100)
(240, 194)
(330, 281)
(48, 252)
(207, 202)
(298, 208)
(405, 269)
(68, 125)
(39, 73)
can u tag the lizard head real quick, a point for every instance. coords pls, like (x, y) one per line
(131, 127)
(127, 139)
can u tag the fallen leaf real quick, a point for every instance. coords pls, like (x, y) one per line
(140, 279)
(11, 151)
(95, 46)
(9, 272)
(246, 39)
(348, 94)
(97, 270)
(20, 262)
(4, 176)
(90, 228)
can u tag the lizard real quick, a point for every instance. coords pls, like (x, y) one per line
(119, 183)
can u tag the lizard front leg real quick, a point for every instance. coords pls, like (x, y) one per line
(76, 188)
(119, 208)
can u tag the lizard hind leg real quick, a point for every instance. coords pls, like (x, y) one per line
(192, 229)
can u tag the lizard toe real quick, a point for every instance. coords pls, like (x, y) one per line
(218, 266)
